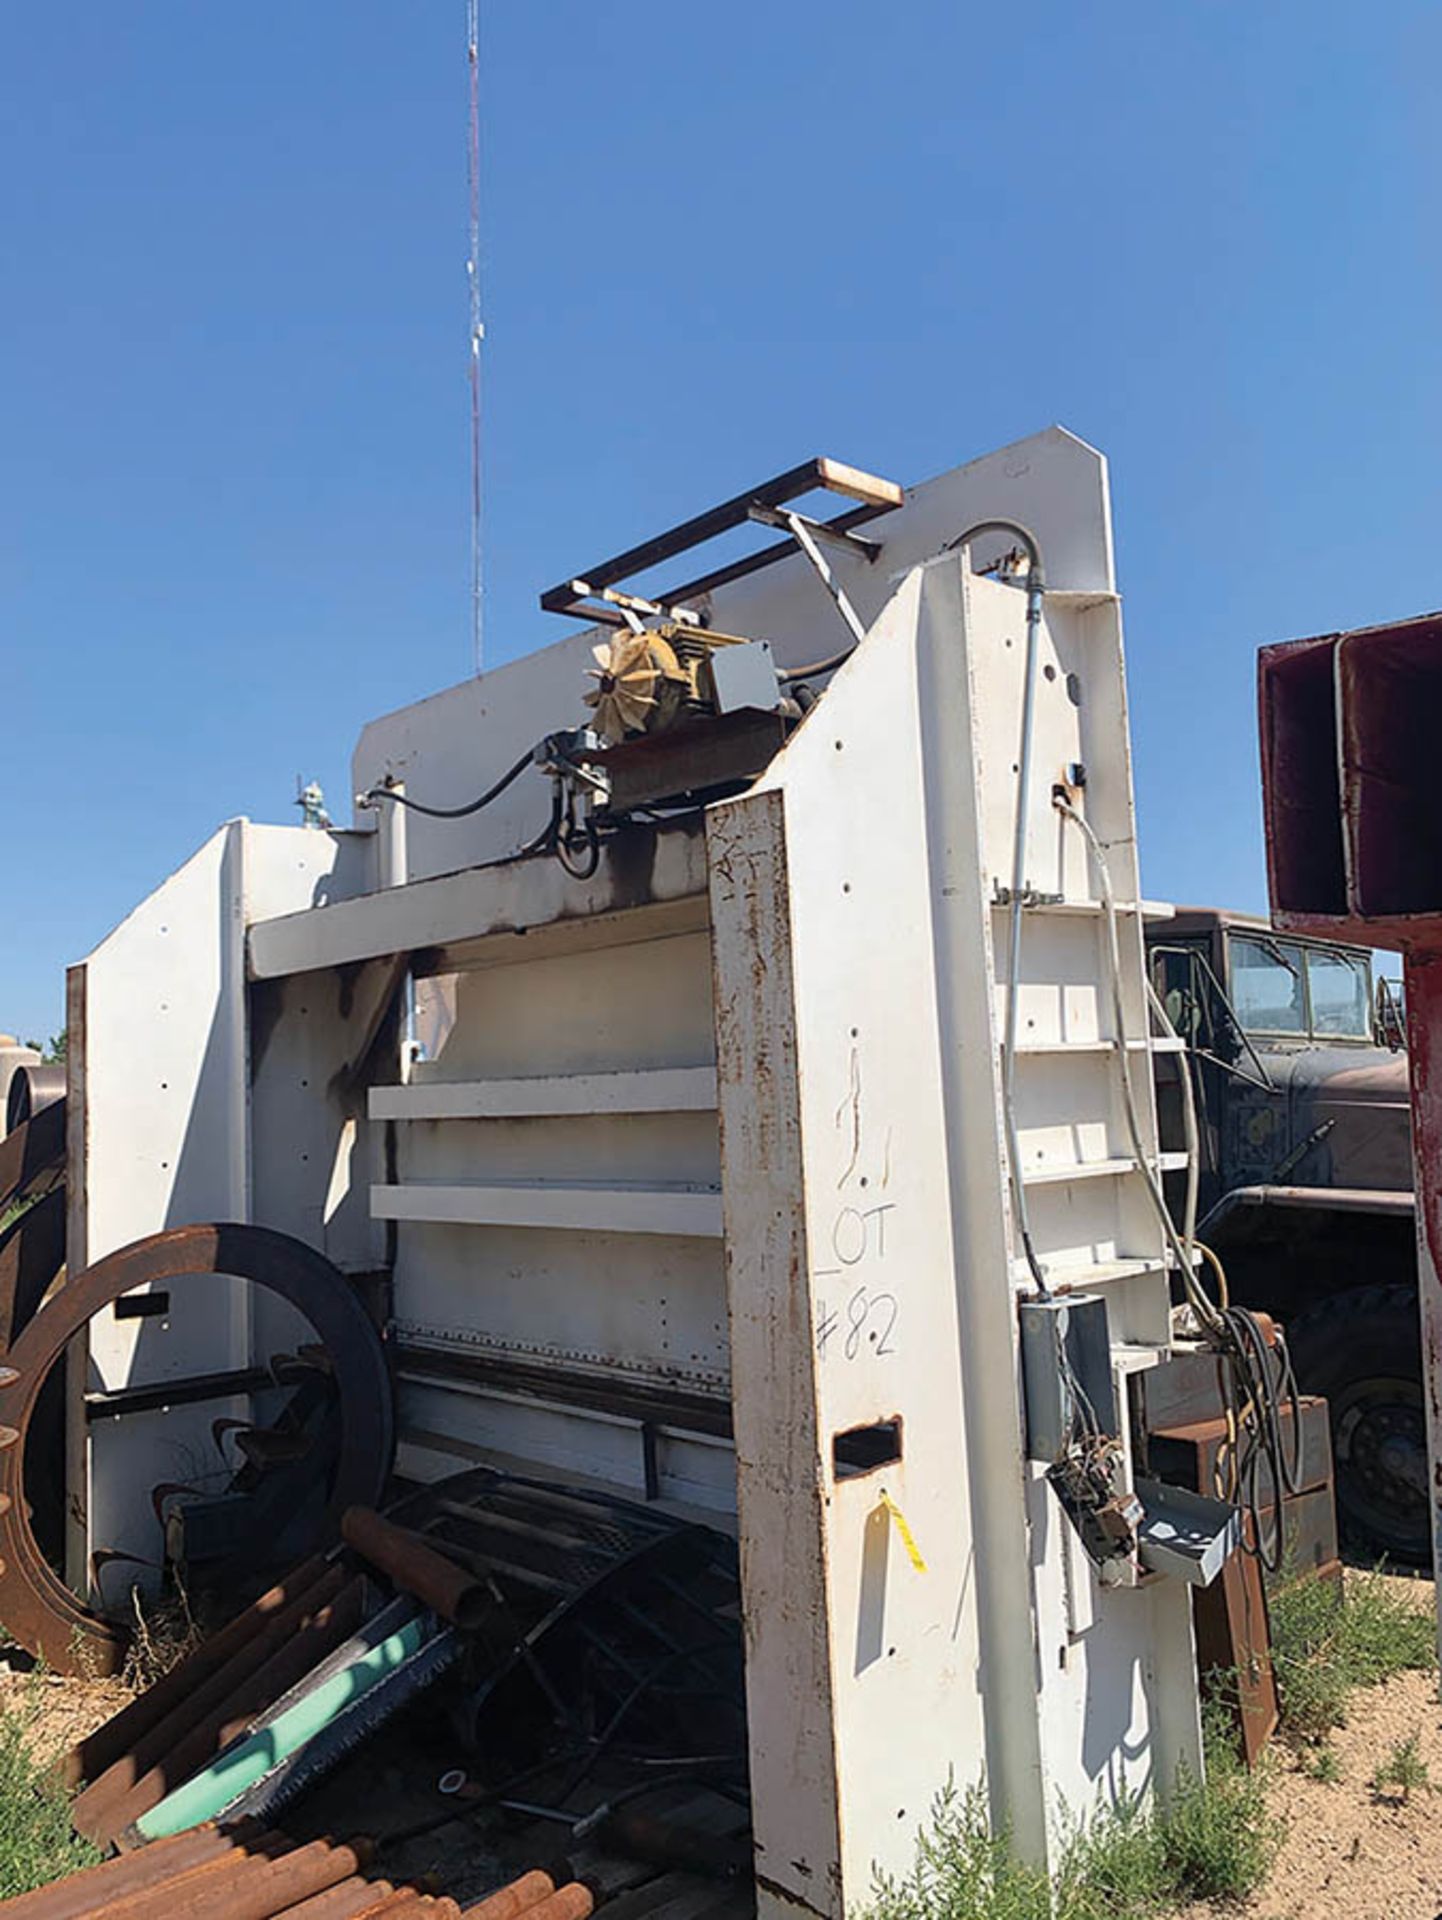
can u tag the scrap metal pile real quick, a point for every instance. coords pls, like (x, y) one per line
(580, 1654)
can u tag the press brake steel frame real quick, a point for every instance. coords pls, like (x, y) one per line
(701, 1191)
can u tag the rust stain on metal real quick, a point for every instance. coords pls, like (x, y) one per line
(781, 1491)
(570, 1902)
(32, 1252)
(1348, 770)
(516, 1898)
(632, 865)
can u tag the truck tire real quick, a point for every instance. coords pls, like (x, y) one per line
(1363, 1350)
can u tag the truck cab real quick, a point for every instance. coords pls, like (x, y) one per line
(1306, 1183)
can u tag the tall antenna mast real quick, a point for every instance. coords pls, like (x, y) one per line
(478, 331)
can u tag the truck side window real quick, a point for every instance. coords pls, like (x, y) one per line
(1172, 978)
(1268, 987)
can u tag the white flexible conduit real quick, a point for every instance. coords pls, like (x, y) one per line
(1257, 1376)
(1035, 588)
(1182, 1245)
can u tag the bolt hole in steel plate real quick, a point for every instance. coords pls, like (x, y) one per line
(35, 1604)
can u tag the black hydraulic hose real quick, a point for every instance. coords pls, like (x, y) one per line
(580, 865)
(547, 839)
(789, 675)
(1261, 1383)
(453, 813)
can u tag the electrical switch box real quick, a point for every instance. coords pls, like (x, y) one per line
(1066, 1371)
(744, 676)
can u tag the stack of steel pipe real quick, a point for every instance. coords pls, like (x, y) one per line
(164, 1736)
(535, 1896)
(211, 1873)
(241, 1873)
(174, 1731)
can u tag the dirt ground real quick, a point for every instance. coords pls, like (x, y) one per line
(54, 1711)
(1351, 1851)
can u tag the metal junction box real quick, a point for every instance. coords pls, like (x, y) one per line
(1065, 1355)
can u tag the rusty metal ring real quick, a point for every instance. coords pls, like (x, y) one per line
(32, 1090)
(36, 1606)
(32, 1252)
(35, 1148)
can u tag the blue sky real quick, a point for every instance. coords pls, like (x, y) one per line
(234, 482)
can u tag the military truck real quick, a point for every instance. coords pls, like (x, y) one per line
(1306, 1183)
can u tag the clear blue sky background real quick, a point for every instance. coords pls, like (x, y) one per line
(234, 481)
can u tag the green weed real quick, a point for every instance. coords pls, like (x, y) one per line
(1116, 1866)
(1323, 1647)
(1212, 1841)
(36, 1843)
(1218, 1839)
(1321, 1763)
(1403, 1772)
(963, 1871)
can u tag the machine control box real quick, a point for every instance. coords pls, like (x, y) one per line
(1066, 1372)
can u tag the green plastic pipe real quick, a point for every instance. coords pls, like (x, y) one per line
(229, 1775)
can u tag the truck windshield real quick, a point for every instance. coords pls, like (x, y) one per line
(1268, 986)
(1340, 986)
(1279, 987)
